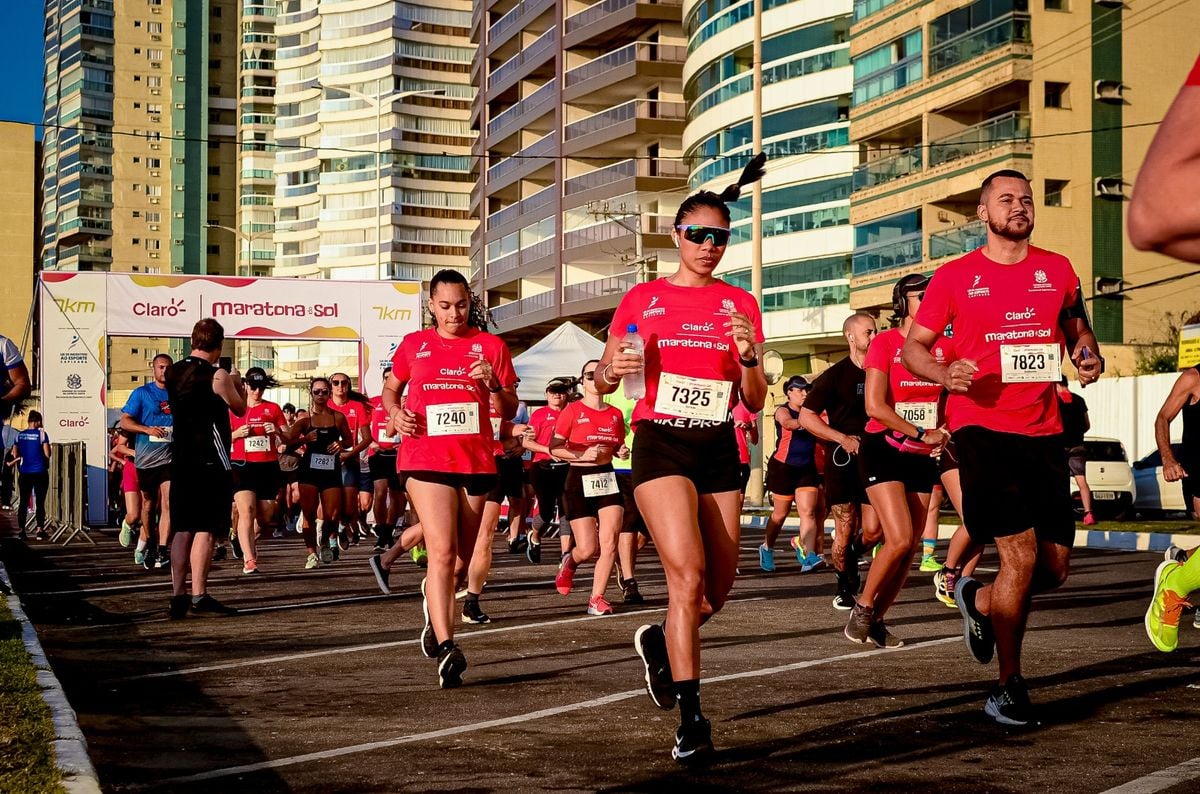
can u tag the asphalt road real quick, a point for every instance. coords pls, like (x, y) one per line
(319, 685)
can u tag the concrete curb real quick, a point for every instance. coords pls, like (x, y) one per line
(70, 748)
(1084, 538)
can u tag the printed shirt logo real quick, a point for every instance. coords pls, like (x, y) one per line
(423, 353)
(1040, 276)
(1041, 282)
(976, 291)
(653, 312)
(476, 348)
(727, 305)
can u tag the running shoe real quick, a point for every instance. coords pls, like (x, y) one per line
(235, 546)
(179, 606)
(812, 562)
(977, 627)
(461, 594)
(1088, 519)
(766, 559)
(844, 600)
(212, 606)
(693, 742)
(1175, 554)
(335, 546)
(250, 567)
(650, 642)
(942, 588)
(381, 574)
(878, 633)
(313, 561)
(875, 550)
(858, 628)
(598, 605)
(451, 666)
(429, 643)
(139, 556)
(630, 593)
(517, 545)
(471, 613)
(41, 535)
(565, 579)
(420, 556)
(220, 553)
(1009, 704)
(126, 536)
(533, 552)
(798, 547)
(355, 538)
(1162, 617)
(326, 555)
(278, 533)
(930, 564)
(162, 559)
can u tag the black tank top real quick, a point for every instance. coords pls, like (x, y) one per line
(200, 434)
(325, 437)
(1191, 432)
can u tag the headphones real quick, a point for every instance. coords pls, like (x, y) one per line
(904, 286)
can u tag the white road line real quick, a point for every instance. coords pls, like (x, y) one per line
(1160, 780)
(517, 719)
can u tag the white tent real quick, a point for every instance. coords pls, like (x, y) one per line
(562, 352)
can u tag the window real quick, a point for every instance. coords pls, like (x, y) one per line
(1057, 5)
(153, 55)
(153, 162)
(214, 63)
(216, 11)
(214, 197)
(153, 190)
(887, 68)
(134, 378)
(154, 81)
(214, 250)
(215, 38)
(154, 27)
(154, 245)
(137, 159)
(133, 350)
(154, 108)
(1057, 194)
(1057, 95)
(214, 170)
(137, 50)
(153, 217)
(135, 241)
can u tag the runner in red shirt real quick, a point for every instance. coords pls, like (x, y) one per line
(588, 435)
(896, 462)
(355, 471)
(455, 372)
(547, 475)
(388, 500)
(702, 343)
(1013, 308)
(745, 432)
(255, 460)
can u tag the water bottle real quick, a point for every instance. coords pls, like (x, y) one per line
(633, 344)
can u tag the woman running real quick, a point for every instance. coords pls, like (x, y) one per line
(792, 477)
(896, 463)
(588, 434)
(122, 453)
(455, 372)
(255, 459)
(702, 342)
(325, 434)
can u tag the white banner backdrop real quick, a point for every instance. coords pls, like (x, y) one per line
(79, 310)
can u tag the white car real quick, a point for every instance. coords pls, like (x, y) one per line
(1155, 495)
(1110, 477)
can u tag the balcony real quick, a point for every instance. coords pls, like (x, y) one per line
(887, 255)
(538, 102)
(1009, 128)
(612, 20)
(526, 206)
(612, 287)
(622, 129)
(526, 256)
(626, 176)
(516, 19)
(887, 169)
(507, 73)
(957, 241)
(100, 227)
(78, 255)
(517, 308)
(624, 72)
(1011, 29)
(533, 157)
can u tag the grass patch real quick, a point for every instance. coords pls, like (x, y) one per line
(26, 730)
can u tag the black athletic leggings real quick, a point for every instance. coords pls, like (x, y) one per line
(37, 485)
(548, 482)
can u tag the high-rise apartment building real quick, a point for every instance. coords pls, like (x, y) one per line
(138, 148)
(806, 84)
(1063, 90)
(580, 115)
(372, 165)
(19, 189)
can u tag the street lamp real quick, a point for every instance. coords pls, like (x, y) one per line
(379, 102)
(247, 238)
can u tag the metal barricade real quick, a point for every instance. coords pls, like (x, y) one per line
(65, 507)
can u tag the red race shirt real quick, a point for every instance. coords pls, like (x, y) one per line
(262, 446)
(357, 416)
(1194, 77)
(918, 399)
(990, 306)
(455, 434)
(685, 335)
(584, 427)
(379, 420)
(543, 421)
(742, 414)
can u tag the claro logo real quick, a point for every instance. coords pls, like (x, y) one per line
(82, 421)
(1028, 314)
(699, 327)
(454, 373)
(172, 309)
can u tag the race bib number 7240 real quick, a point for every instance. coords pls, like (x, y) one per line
(693, 398)
(1030, 363)
(453, 419)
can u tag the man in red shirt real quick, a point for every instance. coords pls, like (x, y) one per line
(1013, 307)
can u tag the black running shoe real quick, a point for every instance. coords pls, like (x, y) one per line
(517, 545)
(471, 613)
(179, 606)
(235, 546)
(381, 575)
(451, 666)
(162, 560)
(630, 592)
(620, 579)
(1009, 704)
(693, 742)
(651, 645)
(533, 553)
(977, 627)
(844, 600)
(335, 546)
(220, 553)
(212, 606)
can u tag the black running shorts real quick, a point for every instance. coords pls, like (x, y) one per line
(633, 521)
(1077, 461)
(473, 484)
(580, 506)
(784, 479)
(510, 480)
(383, 467)
(202, 499)
(843, 485)
(708, 456)
(1013, 482)
(880, 462)
(262, 478)
(150, 479)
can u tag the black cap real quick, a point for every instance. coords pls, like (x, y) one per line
(796, 382)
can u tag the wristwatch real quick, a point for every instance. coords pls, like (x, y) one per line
(920, 432)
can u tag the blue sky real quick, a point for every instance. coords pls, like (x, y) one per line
(21, 88)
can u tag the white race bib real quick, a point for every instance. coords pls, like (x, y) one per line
(258, 443)
(602, 483)
(920, 414)
(453, 419)
(1030, 363)
(692, 398)
(384, 439)
(165, 439)
(322, 463)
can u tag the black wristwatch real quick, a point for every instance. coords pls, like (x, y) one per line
(748, 362)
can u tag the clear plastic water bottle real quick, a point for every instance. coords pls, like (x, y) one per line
(633, 344)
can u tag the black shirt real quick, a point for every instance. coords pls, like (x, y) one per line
(201, 434)
(1074, 420)
(839, 392)
(1191, 435)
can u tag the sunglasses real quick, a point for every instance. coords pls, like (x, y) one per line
(320, 392)
(340, 382)
(918, 295)
(698, 234)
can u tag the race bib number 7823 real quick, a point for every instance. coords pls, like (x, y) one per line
(1030, 363)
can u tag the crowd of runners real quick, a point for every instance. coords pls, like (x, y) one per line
(958, 400)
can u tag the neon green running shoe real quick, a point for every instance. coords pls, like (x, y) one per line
(420, 556)
(930, 564)
(875, 550)
(126, 536)
(139, 556)
(801, 552)
(1162, 616)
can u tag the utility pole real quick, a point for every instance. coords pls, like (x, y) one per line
(600, 210)
(754, 489)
